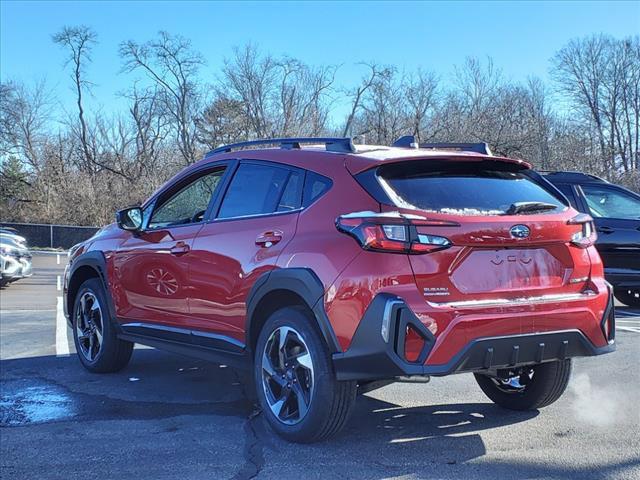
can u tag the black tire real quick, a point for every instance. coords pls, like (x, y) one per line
(331, 401)
(113, 354)
(630, 297)
(548, 383)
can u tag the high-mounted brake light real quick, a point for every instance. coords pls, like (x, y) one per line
(391, 232)
(587, 235)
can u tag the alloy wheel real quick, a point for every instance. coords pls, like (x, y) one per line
(515, 384)
(287, 375)
(89, 323)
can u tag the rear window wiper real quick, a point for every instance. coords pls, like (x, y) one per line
(527, 207)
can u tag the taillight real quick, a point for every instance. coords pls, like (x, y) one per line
(392, 233)
(587, 234)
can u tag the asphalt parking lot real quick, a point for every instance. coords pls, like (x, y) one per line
(167, 416)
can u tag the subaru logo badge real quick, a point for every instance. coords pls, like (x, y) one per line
(520, 231)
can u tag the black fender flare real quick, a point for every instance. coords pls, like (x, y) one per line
(306, 285)
(96, 261)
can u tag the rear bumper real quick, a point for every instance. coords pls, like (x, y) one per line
(370, 357)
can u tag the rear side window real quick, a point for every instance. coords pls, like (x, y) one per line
(611, 203)
(314, 187)
(254, 190)
(463, 188)
(292, 195)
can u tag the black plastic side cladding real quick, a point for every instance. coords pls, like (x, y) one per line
(304, 283)
(370, 357)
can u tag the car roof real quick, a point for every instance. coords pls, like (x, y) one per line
(571, 177)
(316, 157)
(369, 156)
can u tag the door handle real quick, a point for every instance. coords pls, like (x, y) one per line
(267, 239)
(179, 248)
(605, 229)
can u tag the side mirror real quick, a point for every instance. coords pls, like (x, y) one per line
(130, 219)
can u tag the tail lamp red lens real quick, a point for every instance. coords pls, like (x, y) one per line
(587, 235)
(390, 234)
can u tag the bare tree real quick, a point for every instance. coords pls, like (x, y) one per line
(249, 78)
(78, 41)
(421, 96)
(172, 66)
(357, 94)
(276, 97)
(600, 75)
(81, 170)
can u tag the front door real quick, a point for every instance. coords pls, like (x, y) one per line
(616, 213)
(256, 219)
(151, 268)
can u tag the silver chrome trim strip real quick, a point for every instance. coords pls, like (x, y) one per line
(504, 302)
(386, 318)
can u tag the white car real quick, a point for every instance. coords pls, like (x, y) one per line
(15, 259)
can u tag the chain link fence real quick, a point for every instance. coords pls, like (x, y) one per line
(51, 236)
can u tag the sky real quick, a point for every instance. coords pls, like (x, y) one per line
(519, 36)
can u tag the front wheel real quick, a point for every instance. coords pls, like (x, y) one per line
(532, 388)
(97, 344)
(296, 386)
(628, 296)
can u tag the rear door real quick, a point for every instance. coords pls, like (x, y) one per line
(151, 268)
(616, 213)
(496, 256)
(256, 219)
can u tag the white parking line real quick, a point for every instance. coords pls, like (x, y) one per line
(18, 310)
(628, 329)
(58, 283)
(58, 258)
(62, 342)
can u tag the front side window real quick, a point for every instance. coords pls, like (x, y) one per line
(256, 190)
(609, 203)
(189, 204)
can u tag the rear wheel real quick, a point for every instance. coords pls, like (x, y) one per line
(628, 296)
(97, 344)
(296, 387)
(533, 387)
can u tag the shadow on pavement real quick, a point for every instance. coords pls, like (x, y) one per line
(176, 398)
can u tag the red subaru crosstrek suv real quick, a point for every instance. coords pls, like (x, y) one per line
(333, 269)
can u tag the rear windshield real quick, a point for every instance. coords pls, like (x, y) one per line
(486, 188)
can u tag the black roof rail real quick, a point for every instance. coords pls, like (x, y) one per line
(482, 148)
(340, 145)
(408, 141)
